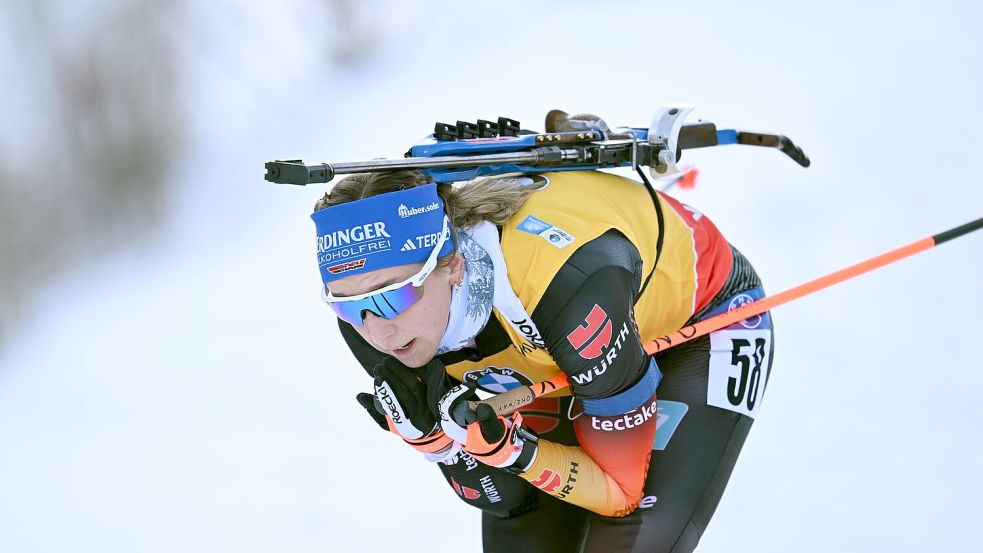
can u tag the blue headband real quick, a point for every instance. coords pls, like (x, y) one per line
(398, 228)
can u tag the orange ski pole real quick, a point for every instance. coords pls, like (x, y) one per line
(514, 399)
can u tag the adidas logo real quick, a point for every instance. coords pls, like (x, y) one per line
(409, 245)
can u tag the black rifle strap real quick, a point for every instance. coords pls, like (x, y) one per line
(660, 220)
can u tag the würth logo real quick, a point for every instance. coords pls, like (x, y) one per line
(464, 491)
(594, 336)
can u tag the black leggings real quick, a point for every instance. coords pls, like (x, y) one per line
(685, 483)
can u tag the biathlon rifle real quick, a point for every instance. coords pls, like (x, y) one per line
(467, 150)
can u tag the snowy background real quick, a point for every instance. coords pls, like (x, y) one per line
(186, 390)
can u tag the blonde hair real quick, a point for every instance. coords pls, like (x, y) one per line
(492, 199)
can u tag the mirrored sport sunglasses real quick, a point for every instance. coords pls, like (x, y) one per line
(391, 300)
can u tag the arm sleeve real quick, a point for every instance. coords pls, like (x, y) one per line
(589, 327)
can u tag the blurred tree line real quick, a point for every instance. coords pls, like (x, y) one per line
(95, 120)
(92, 131)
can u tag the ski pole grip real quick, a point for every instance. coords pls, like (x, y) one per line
(507, 402)
(464, 413)
(793, 151)
(510, 401)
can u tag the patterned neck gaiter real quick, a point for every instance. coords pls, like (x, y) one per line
(471, 302)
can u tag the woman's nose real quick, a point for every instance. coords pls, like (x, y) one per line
(380, 330)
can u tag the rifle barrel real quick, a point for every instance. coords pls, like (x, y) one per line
(295, 172)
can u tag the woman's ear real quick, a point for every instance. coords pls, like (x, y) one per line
(456, 269)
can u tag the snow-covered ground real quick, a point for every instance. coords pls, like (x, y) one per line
(192, 394)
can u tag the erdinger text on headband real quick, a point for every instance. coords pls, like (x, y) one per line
(391, 300)
(385, 230)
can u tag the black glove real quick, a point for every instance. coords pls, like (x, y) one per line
(405, 402)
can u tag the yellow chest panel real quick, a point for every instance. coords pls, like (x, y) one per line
(579, 206)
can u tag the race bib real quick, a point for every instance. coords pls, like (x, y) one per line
(739, 361)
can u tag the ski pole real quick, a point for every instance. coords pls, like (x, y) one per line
(517, 398)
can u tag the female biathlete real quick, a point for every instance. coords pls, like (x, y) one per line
(503, 282)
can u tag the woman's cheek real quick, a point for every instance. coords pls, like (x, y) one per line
(368, 338)
(434, 329)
